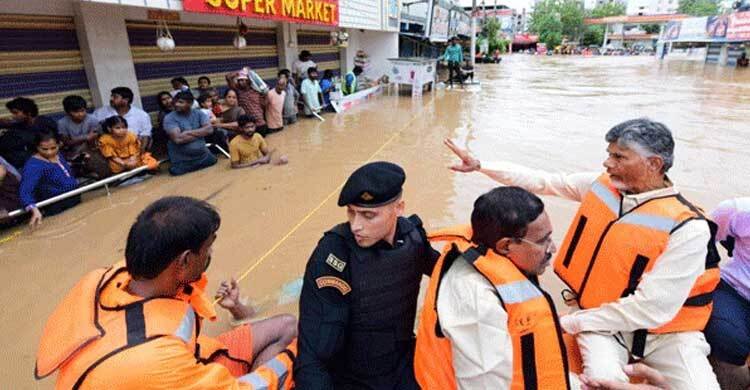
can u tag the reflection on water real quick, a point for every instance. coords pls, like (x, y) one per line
(545, 112)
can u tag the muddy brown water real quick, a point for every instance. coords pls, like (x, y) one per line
(548, 113)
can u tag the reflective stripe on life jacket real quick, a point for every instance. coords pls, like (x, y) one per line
(87, 330)
(606, 251)
(539, 357)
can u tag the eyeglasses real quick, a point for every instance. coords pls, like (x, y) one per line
(544, 245)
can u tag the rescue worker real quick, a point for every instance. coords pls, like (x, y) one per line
(359, 295)
(136, 324)
(350, 81)
(639, 258)
(486, 323)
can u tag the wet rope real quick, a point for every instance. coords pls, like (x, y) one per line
(318, 207)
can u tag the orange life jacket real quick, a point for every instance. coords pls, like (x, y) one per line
(84, 331)
(606, 251)
(539, 357)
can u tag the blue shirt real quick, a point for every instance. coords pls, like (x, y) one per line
(42, 180)
(326, 85)
(194, 150)
(454, 53)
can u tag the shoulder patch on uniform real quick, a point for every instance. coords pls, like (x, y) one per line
(332, 281)
(335, 262)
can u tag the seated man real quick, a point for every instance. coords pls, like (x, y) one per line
(728, 330)
(17, 143)
(137, 324)
(471, 333)
(186, 128)
(249, 149)
(121, 103)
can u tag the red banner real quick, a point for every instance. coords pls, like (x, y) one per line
(323, 12)
(739, 26)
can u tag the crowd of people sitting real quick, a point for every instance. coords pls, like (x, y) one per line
(41, 158)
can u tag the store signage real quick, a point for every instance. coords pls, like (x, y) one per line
(739, 26)
(323, 12)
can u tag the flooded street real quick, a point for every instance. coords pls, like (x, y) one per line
(548, 113)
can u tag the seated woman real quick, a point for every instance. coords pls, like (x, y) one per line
(233, 111)
(45, 175)
(159, 146)
(121, 148)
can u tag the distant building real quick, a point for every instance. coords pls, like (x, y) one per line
(652, 7)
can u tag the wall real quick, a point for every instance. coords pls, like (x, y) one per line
(364, 14)
(105, 50)
(379, 45)
(38, 7)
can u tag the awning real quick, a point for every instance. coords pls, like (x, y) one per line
(525, 39)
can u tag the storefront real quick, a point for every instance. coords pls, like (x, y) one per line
(40, 58)
(201, 50)
(326, 55)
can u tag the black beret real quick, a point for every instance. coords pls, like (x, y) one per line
(373, 185)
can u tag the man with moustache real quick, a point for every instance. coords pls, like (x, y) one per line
(638, 259)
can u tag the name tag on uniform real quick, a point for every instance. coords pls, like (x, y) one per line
(332, 281)
(336, 263)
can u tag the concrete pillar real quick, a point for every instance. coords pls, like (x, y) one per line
(604, 43)
(286, 39)
(724, 54)
(105, 50)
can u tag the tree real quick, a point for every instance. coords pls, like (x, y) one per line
(490, 29)
(594, 34)
(554, 20)
(698, 7)
(651, 28)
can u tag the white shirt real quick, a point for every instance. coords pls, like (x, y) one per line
(661, 292)
(301, 67)
(476, 324)
(139, 122)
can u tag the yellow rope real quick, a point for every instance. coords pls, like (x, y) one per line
(10, 237)
(318, 207)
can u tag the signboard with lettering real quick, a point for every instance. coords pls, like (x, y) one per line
(440, 22)
(322, 12)
(739, 26)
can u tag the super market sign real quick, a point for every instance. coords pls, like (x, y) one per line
(323, 12)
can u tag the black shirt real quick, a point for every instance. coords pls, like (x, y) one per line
(324, 313)
(17, 143)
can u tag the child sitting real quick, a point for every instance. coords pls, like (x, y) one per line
(45, 175)
(249, 148)
(121, 148)
(207, 106)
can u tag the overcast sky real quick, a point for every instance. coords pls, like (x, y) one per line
(515, 4)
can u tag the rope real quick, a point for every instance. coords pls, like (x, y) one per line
(318, 207)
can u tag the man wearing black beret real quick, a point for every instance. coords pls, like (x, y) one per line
(359, 297)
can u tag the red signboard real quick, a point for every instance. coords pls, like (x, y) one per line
(323, 12)
(739, 26)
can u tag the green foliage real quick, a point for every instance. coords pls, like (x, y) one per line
(608, 9)
(698, 7)
(651, 28)
(491, 28)
(554, 20)
(594, 34)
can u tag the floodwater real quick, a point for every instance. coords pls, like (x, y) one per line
(547, 113)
